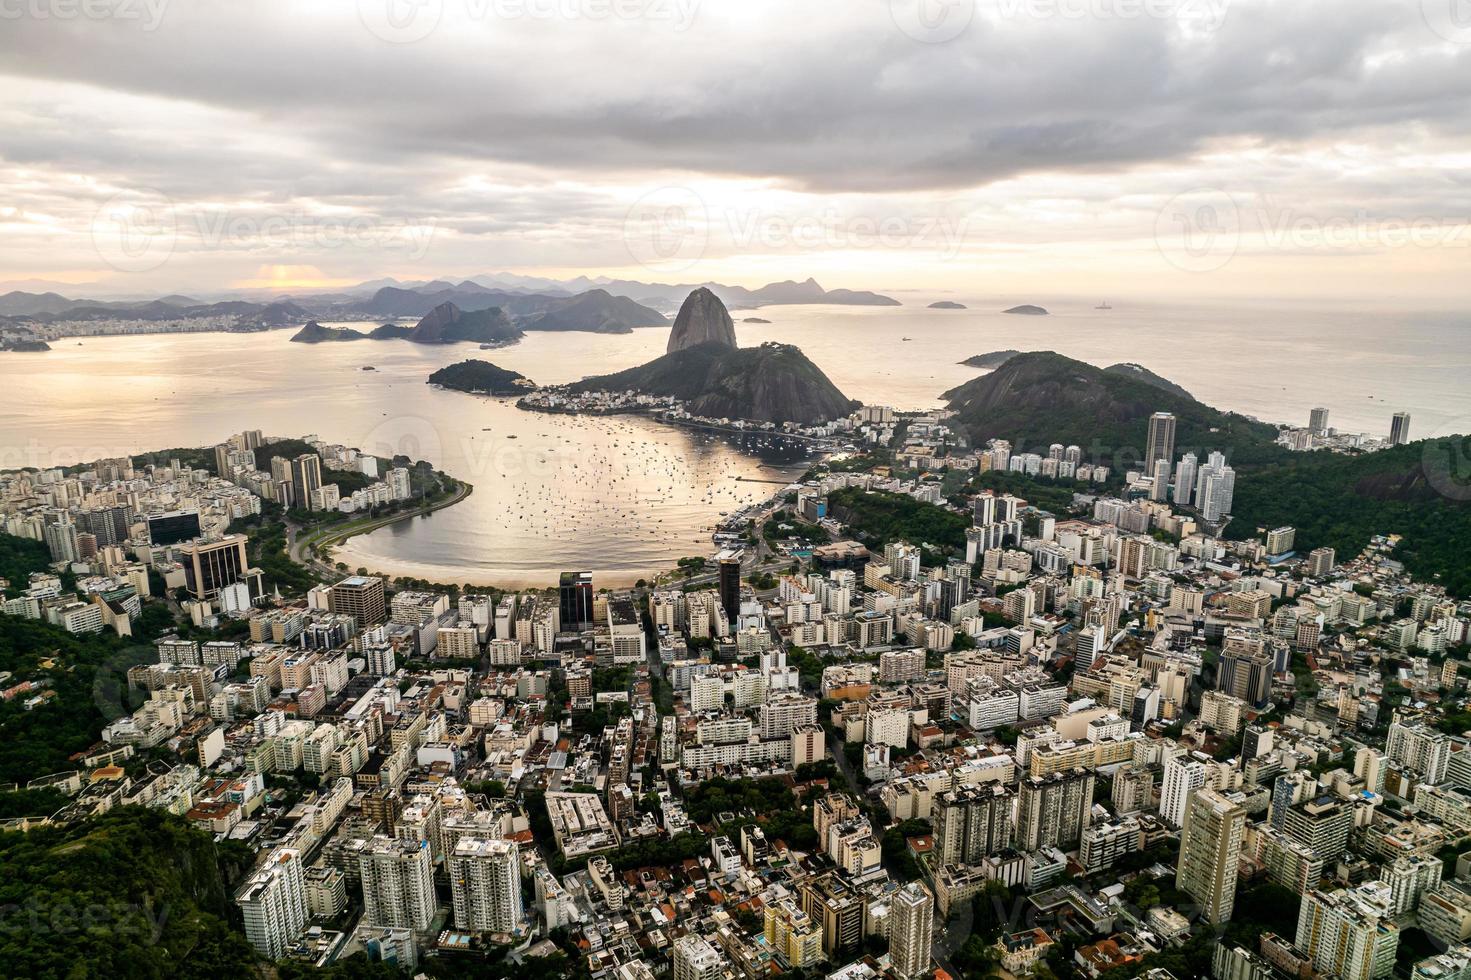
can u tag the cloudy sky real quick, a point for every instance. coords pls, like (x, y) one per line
(1210, 148)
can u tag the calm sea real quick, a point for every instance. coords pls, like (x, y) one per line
(623, 496)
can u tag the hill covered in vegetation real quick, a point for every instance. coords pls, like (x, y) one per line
(134, 893)
(480, 378)
(1419, 491)
(769, 383)
(1041, 397)
(878, 518)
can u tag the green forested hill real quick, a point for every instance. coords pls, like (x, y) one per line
(1419, 491)
(1041, 397)
(132, 894)
(769, 383)
(19, 557)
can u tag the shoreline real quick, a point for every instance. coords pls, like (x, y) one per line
(332, 536)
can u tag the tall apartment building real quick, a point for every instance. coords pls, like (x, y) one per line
(836, 905)
(1185, 480)
(1410, 877)
(1054, 809)
(1320, 562)
(1210, 850)
(791, 935)
(1399, 429)
(398, 883)
(1419, 748)
(1245, 670)
(1161, 442)
(273, 903)
(485, 885)
(911, 930)
(1215, 488)
(360, 596)
(1133, 790)
(728, 579)
(1323, 824)
(1289, 862)
(575, 599)
(1183, 775)
(306, 479)
(1349, 933)
(1445, 912)
(972, 822)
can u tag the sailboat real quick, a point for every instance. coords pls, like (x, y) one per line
(1103, 306)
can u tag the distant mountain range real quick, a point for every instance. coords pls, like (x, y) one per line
(46, 308)
(582, 304)
(445, 324)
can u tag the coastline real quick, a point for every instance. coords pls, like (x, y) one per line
(331, 536)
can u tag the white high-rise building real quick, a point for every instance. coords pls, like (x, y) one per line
(485, 885)
(1215, 488)
(1182, 776)
(398, 883)
(273, 903)
(696, 959)
(399, 484)
(911, 930)
(1409, 877)
(1185, 480)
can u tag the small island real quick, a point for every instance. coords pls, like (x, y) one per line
(390, 331)
(25, 346)
(992, 360)
(315, 333)
(754, 319)
(1026, 309)
(481, 378)
(946, 304)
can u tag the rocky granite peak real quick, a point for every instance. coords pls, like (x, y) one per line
(703, 319)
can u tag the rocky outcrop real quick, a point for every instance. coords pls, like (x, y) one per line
(315, 333)
(596, 311)
(448, 324)
(703, 319)
(769, 383)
